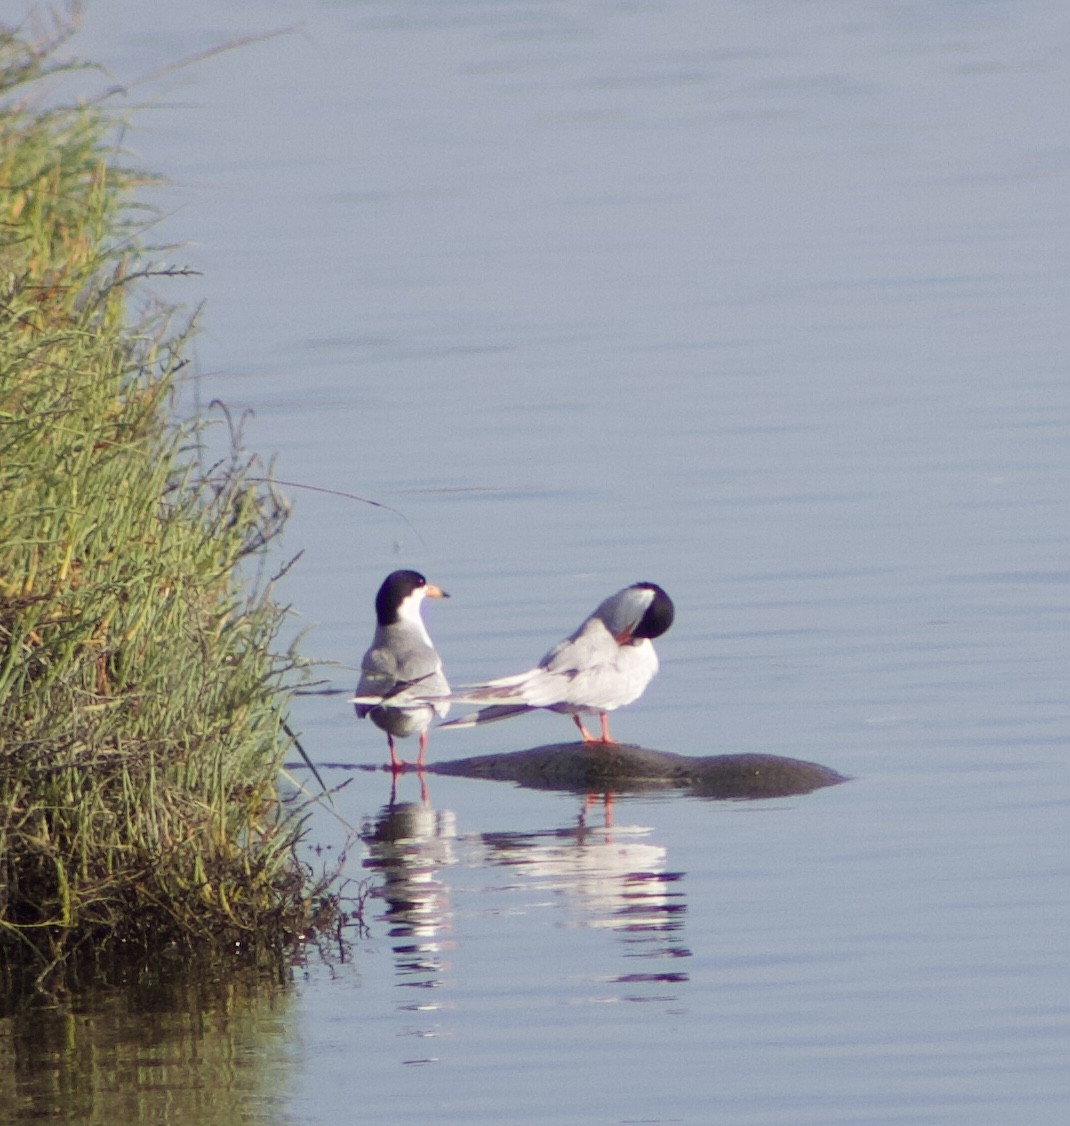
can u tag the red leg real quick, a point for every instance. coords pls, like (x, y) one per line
(606, 737)
(587, 736)
(420, 756)
(396, 764)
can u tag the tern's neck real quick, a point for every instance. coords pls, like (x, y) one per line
(409, 615)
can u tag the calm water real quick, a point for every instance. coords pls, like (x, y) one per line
(766, 302)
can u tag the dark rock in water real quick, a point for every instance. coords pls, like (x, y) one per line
(621, 769)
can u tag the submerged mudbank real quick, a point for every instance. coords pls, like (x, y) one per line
(624, 768)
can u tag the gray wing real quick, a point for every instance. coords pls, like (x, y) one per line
(554, 680)
(378, 676)
(402, 670)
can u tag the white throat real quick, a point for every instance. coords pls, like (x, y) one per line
(409, 613)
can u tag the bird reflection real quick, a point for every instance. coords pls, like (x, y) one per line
(408, 843)
(610, 878)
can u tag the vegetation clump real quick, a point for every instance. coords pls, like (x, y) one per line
(142, 725)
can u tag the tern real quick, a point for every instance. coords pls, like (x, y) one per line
(402, 686)
(605, 664)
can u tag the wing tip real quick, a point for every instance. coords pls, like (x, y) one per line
(488, 715)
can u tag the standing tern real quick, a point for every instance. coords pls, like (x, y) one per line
(402, 686)
(606, 663)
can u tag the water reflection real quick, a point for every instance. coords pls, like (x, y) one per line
(598, 874)
(408, 843)
(156, 1051)
(611, 878)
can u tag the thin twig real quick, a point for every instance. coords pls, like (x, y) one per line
(347, 496)
(304, 754)
(191, 60)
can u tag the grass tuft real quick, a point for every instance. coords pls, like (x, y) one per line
(142, 703)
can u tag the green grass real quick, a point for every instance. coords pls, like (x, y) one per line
(142, 700)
